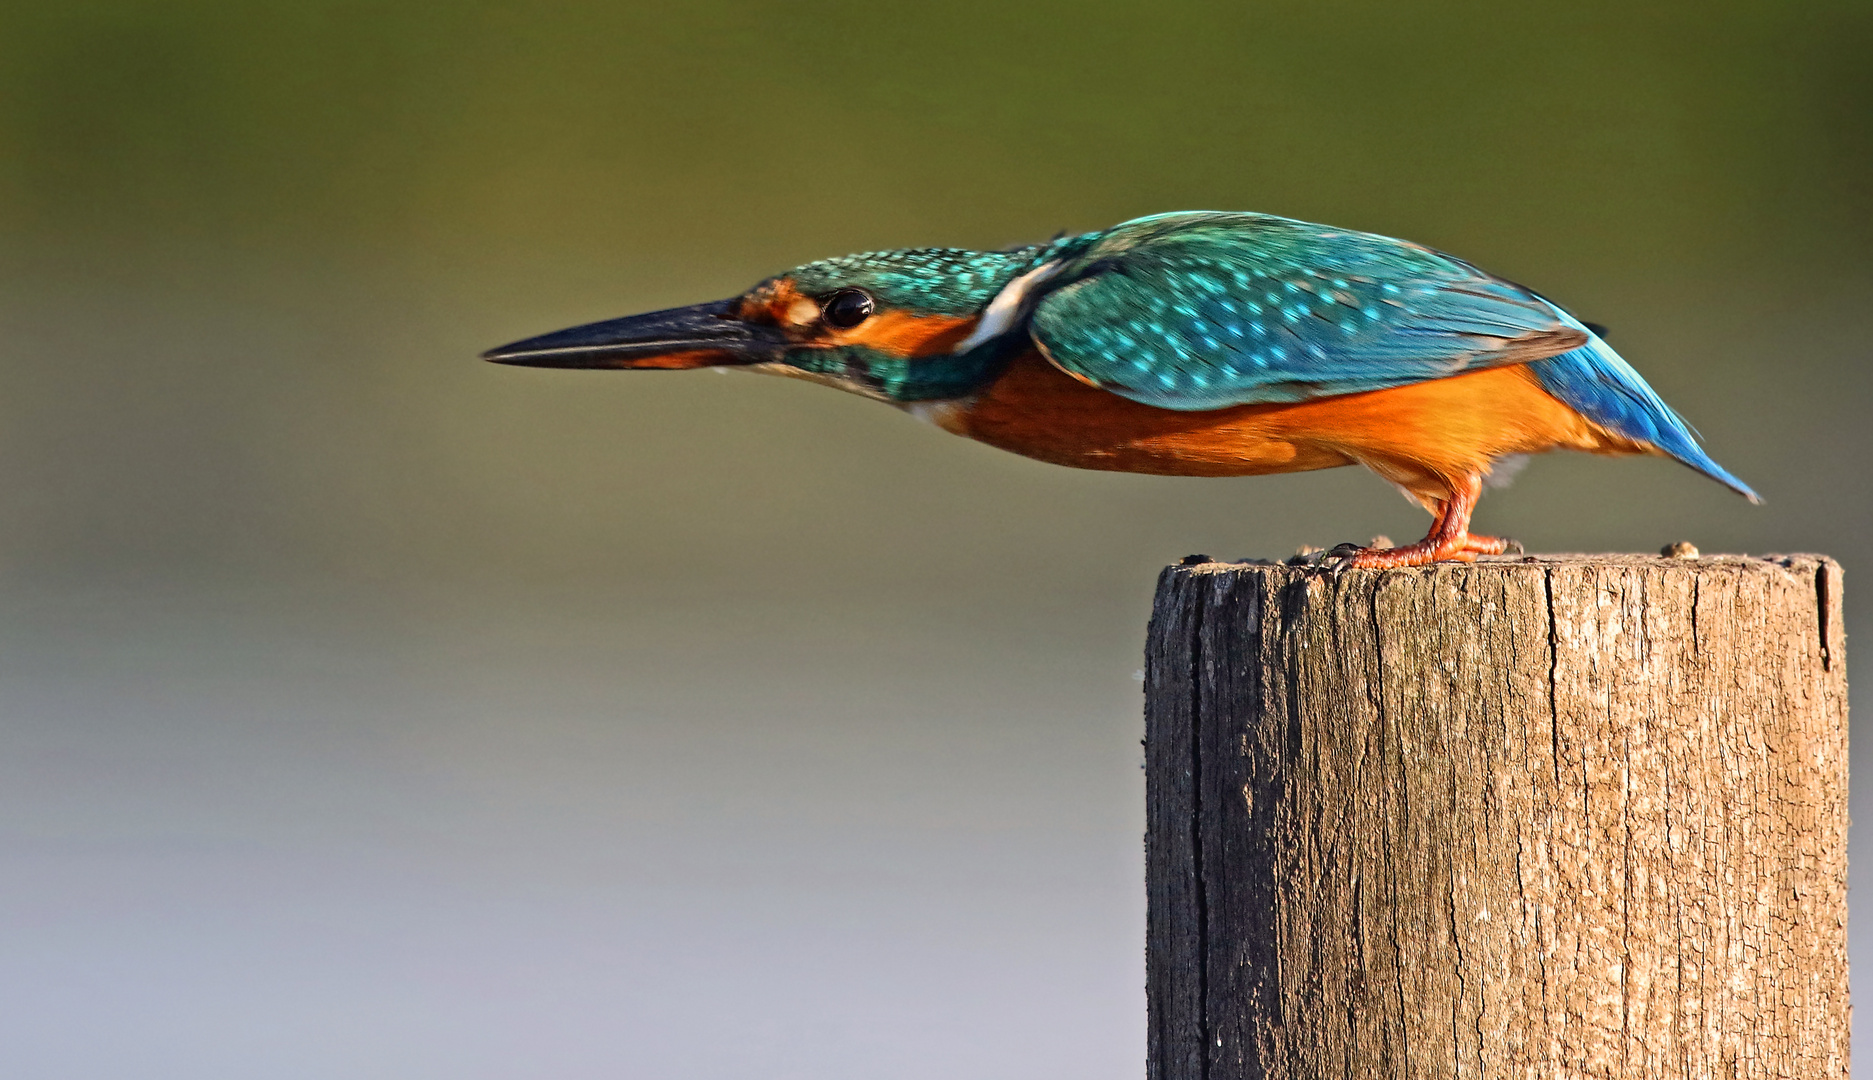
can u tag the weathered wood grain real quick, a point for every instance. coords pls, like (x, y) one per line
(1534, 817)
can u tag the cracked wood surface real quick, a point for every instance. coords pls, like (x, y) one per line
(1570, 816)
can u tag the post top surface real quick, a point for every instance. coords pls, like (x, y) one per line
(1197, 564)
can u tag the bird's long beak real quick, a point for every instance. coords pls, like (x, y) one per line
(703, 335)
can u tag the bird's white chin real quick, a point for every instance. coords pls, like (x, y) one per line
(837, 382)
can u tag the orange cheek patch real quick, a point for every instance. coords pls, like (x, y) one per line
(903, 334)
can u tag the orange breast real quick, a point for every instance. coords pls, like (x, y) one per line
(1412, 435)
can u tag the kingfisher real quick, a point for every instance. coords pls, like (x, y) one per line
(1195, 343)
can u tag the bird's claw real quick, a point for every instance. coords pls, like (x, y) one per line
(1340, 557)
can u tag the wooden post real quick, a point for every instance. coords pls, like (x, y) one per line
(1534, 817)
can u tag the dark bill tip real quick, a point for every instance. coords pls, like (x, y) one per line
(702, 335)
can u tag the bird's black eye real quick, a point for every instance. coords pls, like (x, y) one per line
(846, 308)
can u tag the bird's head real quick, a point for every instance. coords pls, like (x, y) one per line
(919, 324)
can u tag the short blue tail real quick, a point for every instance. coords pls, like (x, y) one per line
(1597, 383)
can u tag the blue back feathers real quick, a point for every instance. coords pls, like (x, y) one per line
(1201, 310)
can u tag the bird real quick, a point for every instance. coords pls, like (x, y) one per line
(1192, 343)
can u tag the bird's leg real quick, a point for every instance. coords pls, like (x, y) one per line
(1448, 540)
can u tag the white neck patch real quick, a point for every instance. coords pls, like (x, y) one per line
(1001, 312)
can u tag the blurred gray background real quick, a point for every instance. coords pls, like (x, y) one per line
(369, 711)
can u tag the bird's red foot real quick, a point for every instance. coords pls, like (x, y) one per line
(1449, 540)
(1429, 550)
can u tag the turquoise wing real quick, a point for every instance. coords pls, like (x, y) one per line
(1205, 310)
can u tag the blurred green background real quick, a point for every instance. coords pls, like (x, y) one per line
(366, 710)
